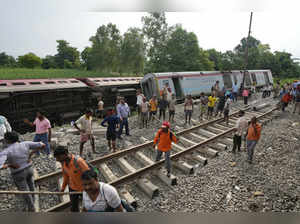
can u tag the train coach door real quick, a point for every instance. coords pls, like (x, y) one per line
(177, 87)
(267, 80)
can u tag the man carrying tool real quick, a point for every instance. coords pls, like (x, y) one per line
(72, 169)
(17, 157)
(164, 138)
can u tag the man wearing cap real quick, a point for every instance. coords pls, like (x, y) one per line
(164, 138)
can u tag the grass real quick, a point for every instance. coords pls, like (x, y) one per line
(24, 73)
(285, 80)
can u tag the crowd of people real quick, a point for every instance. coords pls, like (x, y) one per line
(80, 176)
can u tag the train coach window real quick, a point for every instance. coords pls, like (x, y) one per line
(97, 80)
(50, 82)
(62, 82)
(34, 83)
(74, 81)
(105, 80)
(18, 83)
(3, 84)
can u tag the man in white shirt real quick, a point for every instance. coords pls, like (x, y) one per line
(139, 101)
(99, 196)
(241, 128)
(85, 130)
(100, 107)
(4, 127)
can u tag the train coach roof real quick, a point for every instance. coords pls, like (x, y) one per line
(38, 84)
(116, 81)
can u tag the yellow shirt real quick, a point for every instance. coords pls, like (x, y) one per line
(153, 105)
(211, 101)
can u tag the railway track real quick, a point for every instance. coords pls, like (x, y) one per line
(135, 165)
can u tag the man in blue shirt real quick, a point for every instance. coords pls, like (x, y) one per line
(235, 90)
(123, 111)
(111, 134)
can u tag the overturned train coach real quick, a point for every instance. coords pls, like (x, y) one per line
(184, 83)
(60, 99)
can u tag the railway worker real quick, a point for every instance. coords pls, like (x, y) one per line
(164, 138)
(245, 96)
(240, 130)
(188, 108)
(144, 113)
(42, 130)
(18, 157)
(162, 105)
(202, 105)
(297, 100)
(4, 127)
(72, 169)
(123, 111)
(86, 132)
(153, 108)
(235, 90)
(172, 104)
(98, 196)
(100, 107)
(253, 135)
(227, 109)
(139, 101)
(211, 105)
(111, 134)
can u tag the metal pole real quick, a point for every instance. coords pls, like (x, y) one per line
(246, 52)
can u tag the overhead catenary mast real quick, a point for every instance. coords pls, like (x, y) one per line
(246, 53)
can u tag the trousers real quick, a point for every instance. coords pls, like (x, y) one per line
(167, 159)
(25, 182)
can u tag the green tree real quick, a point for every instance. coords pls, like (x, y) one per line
(86, 58)
(156, 33)
(105, 50)
(7, 60)
(29, 60)
(66, 52)
(132, 51)
(48, 62)
(183, 52)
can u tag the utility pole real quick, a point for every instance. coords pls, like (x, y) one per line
(246, 53)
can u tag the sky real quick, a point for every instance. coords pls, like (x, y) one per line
(35, 25)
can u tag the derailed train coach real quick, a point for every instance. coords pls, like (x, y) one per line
(61, 99)
(184, 83)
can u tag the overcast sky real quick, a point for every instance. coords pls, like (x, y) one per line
(35, 25)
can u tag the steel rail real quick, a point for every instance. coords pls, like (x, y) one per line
(146, 169)
(132, 149)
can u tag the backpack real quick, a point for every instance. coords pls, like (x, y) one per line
(90, 165)
(171, 135)
(124, 203)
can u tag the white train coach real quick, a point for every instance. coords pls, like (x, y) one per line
(183, 83)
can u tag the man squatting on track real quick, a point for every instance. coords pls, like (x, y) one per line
(17, 157)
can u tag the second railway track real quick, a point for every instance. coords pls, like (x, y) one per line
(197, 145)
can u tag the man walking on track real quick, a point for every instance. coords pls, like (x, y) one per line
(85, 130)
(18, 158)
(254, 131)
(241, 128)
(42, 130)
(72, 168)
(164, 138)
(111, 134)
